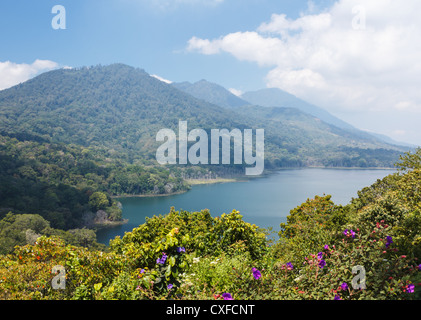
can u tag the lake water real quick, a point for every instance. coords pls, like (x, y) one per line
(264, 201)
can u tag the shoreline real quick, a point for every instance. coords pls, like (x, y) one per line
(148, 195)
(110, 224)
(196, 182)
(191, 182)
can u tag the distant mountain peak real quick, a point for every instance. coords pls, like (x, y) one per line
(274, 97)
(211, 92)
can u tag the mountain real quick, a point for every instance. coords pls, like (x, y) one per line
(120, 109)
(274, 97)
(116, 106)
(392, 141)
(211, 92)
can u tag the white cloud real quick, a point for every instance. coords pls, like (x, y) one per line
(161, 79)
(13, 73)
(324, 58)
(235, 92)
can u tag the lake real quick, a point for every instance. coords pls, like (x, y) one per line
(264, 201)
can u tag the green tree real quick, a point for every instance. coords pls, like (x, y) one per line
(410, 161)
(98, 201)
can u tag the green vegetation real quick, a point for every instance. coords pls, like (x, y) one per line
(71, 186)
(192, 255)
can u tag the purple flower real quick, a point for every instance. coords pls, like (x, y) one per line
(410, 288)
(350, 232)
(322, 264)
(326, 247)
(227, 296)
(419, 267)
(141, 272)
(162, 260)
(256, 273)
(389, 241)
(290, 266)
(181, 249)
(169, 287)
(344, 286)
(320, 255)
(337, 297)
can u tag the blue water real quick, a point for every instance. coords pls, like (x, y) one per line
(264, 201)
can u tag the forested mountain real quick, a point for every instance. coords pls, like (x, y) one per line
(121, 108)
(211, 92)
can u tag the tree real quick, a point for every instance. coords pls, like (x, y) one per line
(98, 201)
(410, 161)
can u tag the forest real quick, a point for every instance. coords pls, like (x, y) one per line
(195, 255)
(67, 185)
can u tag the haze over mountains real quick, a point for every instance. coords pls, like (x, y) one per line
(270, 97)
(122, 108)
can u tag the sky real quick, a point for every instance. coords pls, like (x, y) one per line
(359, 60)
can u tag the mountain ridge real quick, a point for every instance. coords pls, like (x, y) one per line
(211, 92)
(271, 97)
(122, 108)
(274, 97)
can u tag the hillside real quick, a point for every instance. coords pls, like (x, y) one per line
(121, 108)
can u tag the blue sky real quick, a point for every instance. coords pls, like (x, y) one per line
(316, 50)
(150, 34)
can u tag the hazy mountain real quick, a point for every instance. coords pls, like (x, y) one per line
(212, 93)
(122, 108)
(273, 97)
(392, 141)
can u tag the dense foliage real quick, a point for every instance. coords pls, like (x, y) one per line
(61, 182)
(368, 249)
